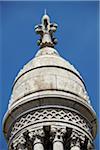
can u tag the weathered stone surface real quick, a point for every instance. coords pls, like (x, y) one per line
(48, 71)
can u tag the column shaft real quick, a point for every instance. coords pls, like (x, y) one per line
(58, 143)
(38, 144)
(75, 148)
(57, 146)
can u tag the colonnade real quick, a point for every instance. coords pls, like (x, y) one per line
(57, 137)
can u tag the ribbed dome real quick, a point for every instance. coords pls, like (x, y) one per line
(48, 71)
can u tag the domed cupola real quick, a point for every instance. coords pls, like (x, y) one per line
(49, 92)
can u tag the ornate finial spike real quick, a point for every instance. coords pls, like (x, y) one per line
(46, 30)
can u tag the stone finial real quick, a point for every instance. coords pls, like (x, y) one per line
(46, 30)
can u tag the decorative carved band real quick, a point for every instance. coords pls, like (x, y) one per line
(50, 115)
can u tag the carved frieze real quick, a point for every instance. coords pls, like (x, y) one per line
(50, 115)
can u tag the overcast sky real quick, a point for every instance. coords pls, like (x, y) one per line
(77, 36)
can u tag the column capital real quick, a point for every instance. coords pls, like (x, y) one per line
(22, 139)
(60, 129)
(75, 139)
(57, 133)
(36, 133)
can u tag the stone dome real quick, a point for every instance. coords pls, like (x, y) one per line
(48, 72)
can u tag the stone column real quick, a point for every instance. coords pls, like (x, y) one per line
(57, 134)
(37, 137)
(75, 141)
(38, 144)
(75, 148)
